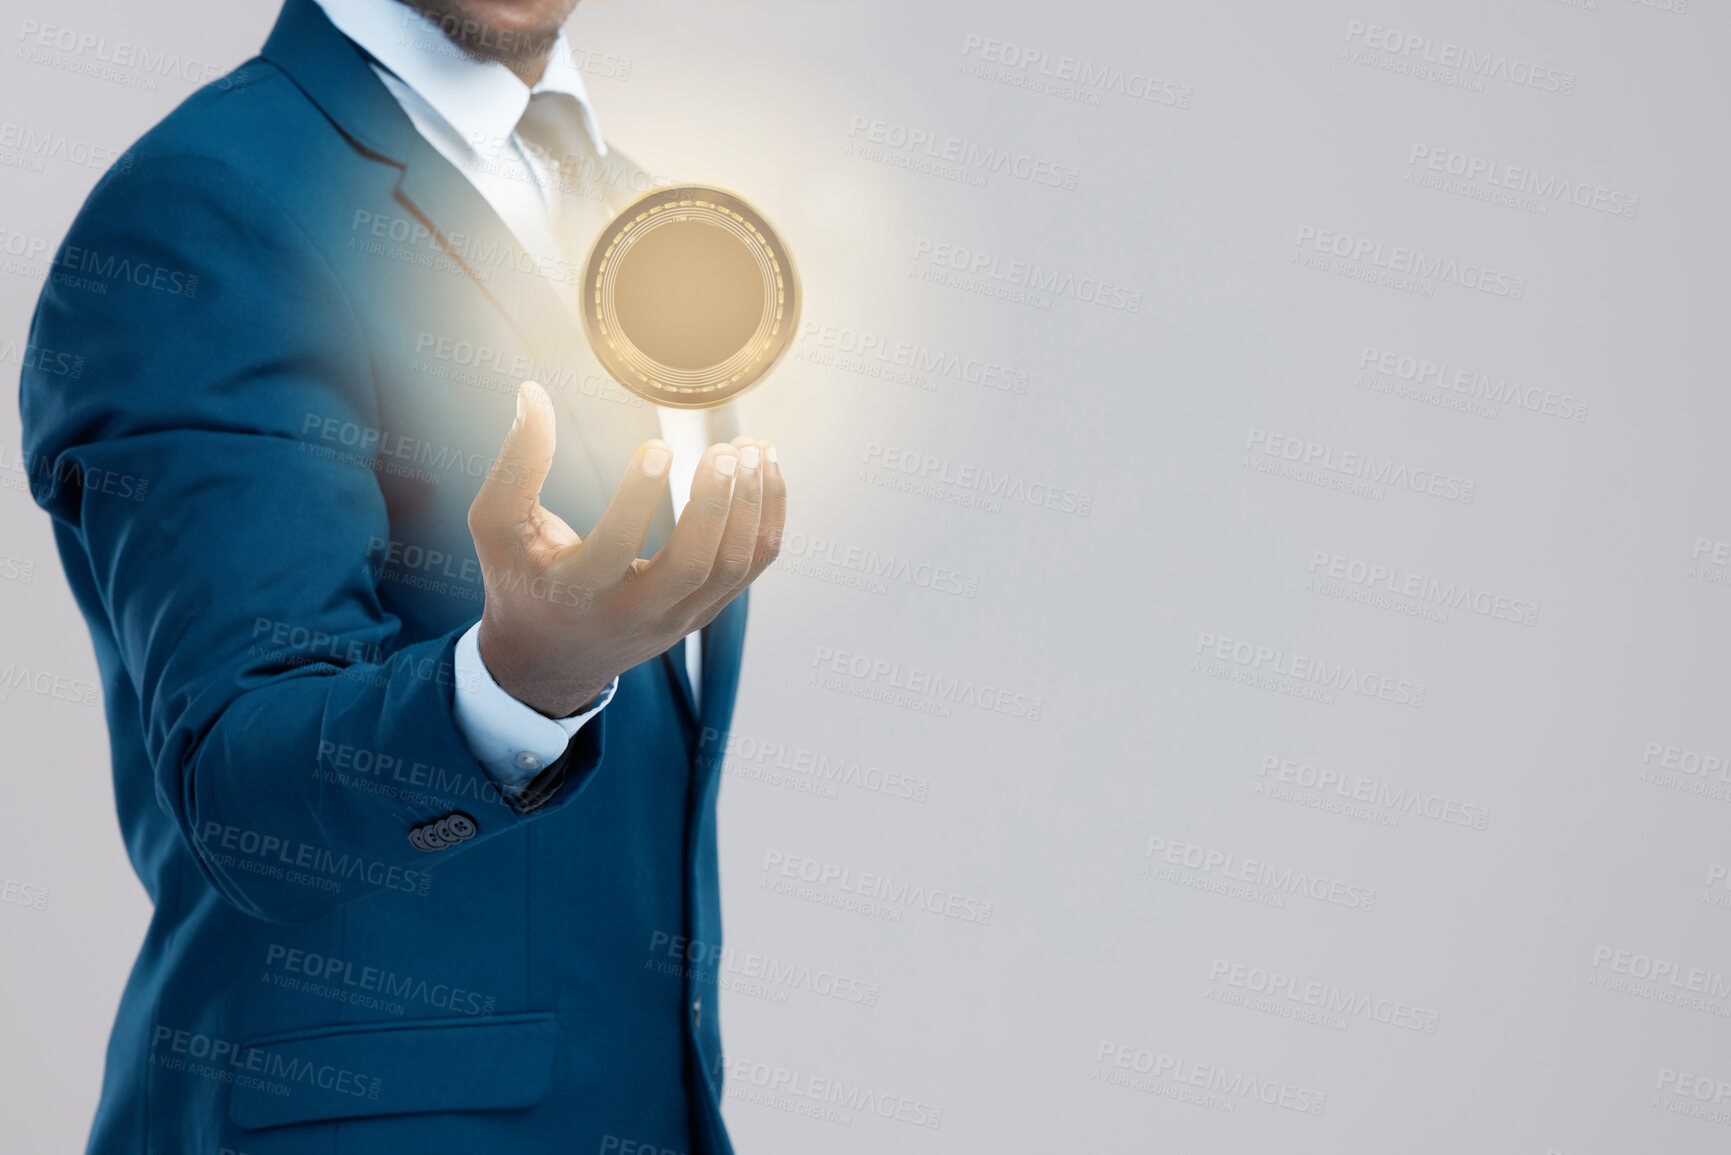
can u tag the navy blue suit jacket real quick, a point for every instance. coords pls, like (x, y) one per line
(301, 333)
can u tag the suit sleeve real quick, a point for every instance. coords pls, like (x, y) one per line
(506, 736)
(214, 335)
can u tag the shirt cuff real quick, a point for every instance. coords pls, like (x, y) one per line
(512, 741)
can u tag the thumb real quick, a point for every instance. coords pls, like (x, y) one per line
(512, 488)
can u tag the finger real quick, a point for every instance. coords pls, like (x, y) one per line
(774, 517)
(683, 564)
(618, 536)
(511, 490)
(733, 557)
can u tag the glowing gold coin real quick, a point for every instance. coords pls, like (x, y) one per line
(689, 296)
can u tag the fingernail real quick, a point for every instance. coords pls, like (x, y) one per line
(655, 461)
(522, 405)
(725, 463)
(748, 457)
(769, 455)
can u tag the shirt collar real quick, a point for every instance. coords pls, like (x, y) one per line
(482, 99)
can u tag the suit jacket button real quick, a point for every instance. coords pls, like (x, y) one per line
(417, 842)
(697, 1012)
(458, 827)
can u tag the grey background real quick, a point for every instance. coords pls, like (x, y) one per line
(1506, 936)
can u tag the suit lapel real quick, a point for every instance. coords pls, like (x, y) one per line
(723, 650)
(611, 422)
(448, 205)
(336, 77)
(334, 74)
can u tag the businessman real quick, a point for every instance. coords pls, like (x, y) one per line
(414, 628)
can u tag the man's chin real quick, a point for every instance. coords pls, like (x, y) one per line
(502, 30)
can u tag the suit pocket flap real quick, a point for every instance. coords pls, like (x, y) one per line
(361, 1069)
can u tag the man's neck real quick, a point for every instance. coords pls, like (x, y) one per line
(530, 72)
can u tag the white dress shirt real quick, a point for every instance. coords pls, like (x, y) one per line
(468, 110)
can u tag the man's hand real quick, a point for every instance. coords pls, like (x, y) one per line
(565, 614)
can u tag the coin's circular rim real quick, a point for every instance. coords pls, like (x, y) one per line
(664, 384)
